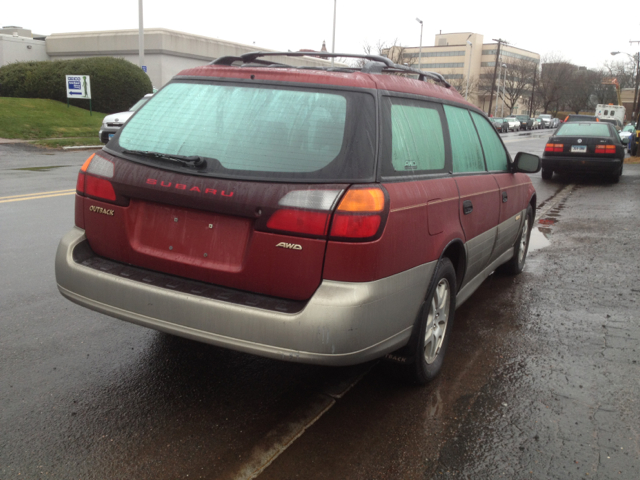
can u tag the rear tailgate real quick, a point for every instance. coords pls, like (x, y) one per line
(203, 228)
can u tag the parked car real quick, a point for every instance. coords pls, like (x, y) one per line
(545, 119)
(525, 122)
(112, 123)
(316, 216)
(584, 147)
(539, 123)
(617, 124)
(626, 133)
(581, 118)
(555, 123)
(500, 124)
(514, 123)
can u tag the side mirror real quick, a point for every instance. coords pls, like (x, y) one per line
(526, 163)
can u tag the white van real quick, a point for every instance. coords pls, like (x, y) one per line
(611, 112)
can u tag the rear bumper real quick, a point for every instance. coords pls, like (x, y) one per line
(581, 164)
(342, 324)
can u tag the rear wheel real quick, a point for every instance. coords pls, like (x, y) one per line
(434, 325)
(516, 264)
(547, 174)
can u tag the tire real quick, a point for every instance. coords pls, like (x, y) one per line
(433, 326)
(615, 178)
(516, 264)
(547, 174)
(634, 150)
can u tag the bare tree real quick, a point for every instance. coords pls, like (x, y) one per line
(555, 81)
(602, 91)
(624, 71)
(584, 83)
(518, 81)
(395, 52)
(459, 82)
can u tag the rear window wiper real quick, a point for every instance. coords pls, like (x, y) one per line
(185, 160)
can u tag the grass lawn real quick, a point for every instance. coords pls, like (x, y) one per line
(37, 119)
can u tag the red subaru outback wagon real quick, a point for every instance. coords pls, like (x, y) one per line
(318, 215)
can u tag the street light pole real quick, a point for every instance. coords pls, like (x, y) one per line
(504, 81)
(333, 42)
(420, 51)
(140, 35)
(466, 94)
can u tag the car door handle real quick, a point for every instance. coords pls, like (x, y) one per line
(467, 207)
(505, 197)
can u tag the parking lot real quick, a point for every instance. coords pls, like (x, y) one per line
(541, 378)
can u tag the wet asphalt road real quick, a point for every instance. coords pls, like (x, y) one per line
(540, 380)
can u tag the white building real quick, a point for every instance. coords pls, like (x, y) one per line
(166, 52)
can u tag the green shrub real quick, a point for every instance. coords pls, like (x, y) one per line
(116, 84)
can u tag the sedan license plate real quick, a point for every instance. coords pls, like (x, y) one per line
(111, 135)
(579, 148)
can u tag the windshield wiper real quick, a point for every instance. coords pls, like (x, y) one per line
(185, 160)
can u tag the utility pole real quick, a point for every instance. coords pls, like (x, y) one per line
(495, 71)
(533, 89)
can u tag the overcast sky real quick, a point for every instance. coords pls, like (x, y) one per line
(571, 29)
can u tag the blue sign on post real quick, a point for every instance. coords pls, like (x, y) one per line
(74, 85)
(144, 68)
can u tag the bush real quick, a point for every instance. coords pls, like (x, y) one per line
(116, 84)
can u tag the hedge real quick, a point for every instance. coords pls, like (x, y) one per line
(116, 84)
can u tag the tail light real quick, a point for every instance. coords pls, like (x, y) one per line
(554, 147)
(92, 179)
(360, 214)
(304, 212)
(605, 149)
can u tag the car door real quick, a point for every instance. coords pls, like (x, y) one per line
(513, 187)
(479, 203)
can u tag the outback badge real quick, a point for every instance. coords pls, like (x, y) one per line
(290, 246)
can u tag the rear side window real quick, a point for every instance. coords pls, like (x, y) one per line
(494, 152)
(416, 138)
(258, 131)
(465, 144)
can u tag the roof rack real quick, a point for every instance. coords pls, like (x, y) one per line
(376, 64)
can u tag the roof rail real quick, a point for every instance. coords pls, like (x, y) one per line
(376, 64)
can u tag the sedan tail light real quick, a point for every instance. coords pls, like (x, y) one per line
(605, 149)
(554, 147)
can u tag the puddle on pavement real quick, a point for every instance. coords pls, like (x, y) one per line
(42, 169)
(538, 238)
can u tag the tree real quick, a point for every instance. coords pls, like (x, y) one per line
(395, 52)
(602, 91)
(518, 81)
(555, 81)
(460, 83)
(583, 84)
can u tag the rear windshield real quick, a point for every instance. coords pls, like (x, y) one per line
(581, 118)
(583, 130)
(258, 132)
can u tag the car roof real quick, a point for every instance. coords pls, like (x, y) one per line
(373, 75)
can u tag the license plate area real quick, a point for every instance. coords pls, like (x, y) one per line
(578, 149)
(190, 237)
